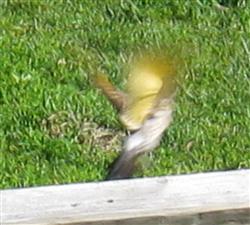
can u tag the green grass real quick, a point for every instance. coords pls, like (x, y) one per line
(56, 128)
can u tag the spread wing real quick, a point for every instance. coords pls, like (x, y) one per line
(115, 96)
(149, 82)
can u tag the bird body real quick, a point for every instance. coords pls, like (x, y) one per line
(149, 81)
(145, 109)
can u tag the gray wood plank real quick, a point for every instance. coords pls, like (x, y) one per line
(183, 199)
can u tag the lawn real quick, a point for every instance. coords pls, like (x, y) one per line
(56, 128)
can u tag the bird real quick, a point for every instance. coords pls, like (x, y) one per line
(145, 108)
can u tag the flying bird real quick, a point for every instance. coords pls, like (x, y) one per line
(145, 108)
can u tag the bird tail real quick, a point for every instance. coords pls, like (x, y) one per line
(123, 167)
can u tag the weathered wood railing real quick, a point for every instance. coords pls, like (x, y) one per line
(209, 198)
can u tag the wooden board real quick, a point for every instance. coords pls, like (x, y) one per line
(208, 198)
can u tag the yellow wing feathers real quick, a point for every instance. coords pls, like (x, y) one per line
(150, 80)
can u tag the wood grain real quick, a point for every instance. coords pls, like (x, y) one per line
(206, 198)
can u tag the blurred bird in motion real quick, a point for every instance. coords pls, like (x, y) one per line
(145, 108)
